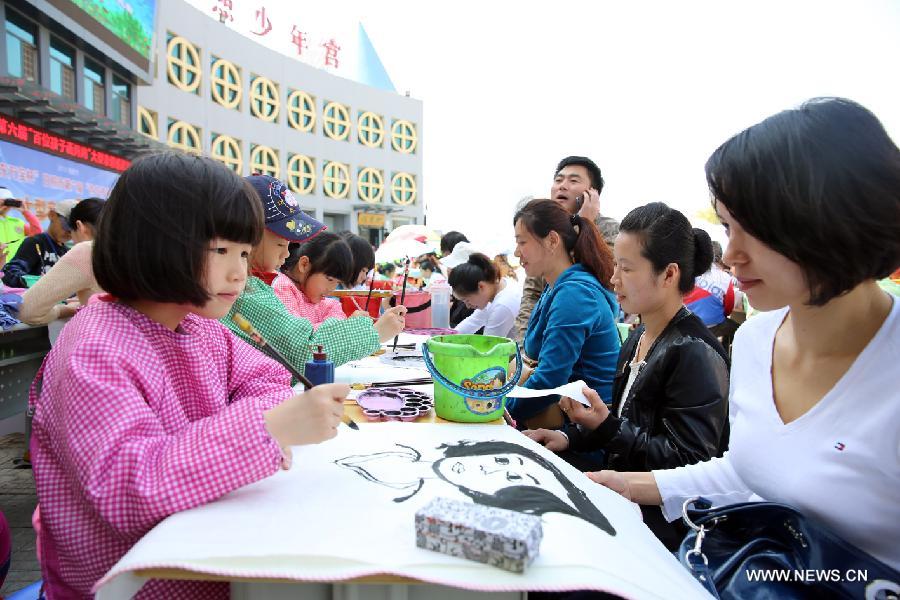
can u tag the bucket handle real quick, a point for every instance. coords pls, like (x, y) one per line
(480, 394)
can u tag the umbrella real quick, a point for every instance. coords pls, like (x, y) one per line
(400, 249)
(407, 232)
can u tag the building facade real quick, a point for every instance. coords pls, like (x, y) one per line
(351, 153)
(66, 104)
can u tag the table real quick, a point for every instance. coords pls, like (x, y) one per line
(370, 369)
(389, 587)
(272, 570)
(22, 350)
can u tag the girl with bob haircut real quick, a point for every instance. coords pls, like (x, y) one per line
(312, 271)
(572, 331)
(477, 283)
(72, 275)
(670, 395)
(810, 199)
(148, 406)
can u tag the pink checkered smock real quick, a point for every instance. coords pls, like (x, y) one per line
(299, 304)
(134, 422)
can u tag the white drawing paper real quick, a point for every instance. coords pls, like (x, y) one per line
(572, 390)
(346, 509)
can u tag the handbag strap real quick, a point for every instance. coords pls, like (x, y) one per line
(694, 559)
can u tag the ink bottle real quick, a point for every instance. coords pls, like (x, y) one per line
(319, 370)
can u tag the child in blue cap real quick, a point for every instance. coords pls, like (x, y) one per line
(294, 337)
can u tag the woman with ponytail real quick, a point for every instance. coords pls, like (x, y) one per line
(477, 283)
(670, 395)
(572, 331)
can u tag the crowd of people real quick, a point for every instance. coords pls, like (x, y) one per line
(800, 408)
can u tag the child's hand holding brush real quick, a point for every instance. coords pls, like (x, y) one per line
(391, 323)
(309, 417)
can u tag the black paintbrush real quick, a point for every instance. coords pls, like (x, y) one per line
(369, 295)
(402, 297)
(260, 341)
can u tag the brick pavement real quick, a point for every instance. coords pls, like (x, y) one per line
(17, 501)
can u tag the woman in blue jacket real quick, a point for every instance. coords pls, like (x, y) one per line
(572, 331)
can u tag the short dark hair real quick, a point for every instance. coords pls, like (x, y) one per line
(466, 277)
(363, 253)
(449, 241)
(328, 253)
(667, 237)
(384, 268)
(87, 211)
(583, 161)
(585, 243)
(153, 238)
(820, 185)
(427, 264)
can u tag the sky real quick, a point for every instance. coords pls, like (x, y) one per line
(646, 89)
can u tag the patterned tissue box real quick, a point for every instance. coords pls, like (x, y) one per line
(495, 536)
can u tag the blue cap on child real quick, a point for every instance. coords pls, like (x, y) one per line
(283, 215)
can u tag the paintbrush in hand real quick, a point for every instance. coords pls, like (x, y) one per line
(371, 285)
(260, 341)
(402, 297)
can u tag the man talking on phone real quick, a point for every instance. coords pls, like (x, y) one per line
(576, 186)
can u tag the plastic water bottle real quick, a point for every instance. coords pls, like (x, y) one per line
(440, 304)
(319, 370)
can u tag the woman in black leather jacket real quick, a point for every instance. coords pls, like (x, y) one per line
(670, 392)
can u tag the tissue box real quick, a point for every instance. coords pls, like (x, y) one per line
(494, 536)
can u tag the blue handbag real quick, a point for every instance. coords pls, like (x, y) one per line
(765, 550)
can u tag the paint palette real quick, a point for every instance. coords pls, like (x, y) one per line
(394, 404)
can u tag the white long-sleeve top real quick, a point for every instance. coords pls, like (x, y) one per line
(839, 463)
(499, 316)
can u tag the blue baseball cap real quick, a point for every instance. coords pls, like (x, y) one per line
(283, 215)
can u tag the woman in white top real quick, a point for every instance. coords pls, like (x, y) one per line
(810, 199)
(478, 284)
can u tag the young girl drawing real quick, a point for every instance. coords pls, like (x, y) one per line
(311, 272)
(147, 406)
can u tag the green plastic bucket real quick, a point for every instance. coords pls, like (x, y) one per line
(470, 377)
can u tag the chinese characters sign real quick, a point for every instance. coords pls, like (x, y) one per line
(41, 179)
(23, 133)
(318, 35)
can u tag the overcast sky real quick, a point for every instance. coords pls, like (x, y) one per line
(647, 89)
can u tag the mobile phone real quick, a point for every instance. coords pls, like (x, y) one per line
(13, 202)
(579, 202)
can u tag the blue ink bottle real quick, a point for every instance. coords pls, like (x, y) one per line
(320, 370)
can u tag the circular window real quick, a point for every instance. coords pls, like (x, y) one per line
(227, 150)
(226, 84)
(264, 160)
(147, 122)
(301, 174)
(336, 118)
(336, 180)
(403, 189)
(371, 129)
(184, 137)
(301, 111)
(264, 101)
(183, 66)
(370, 185)
(403, 137)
